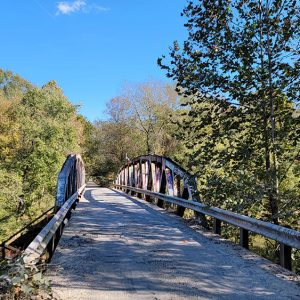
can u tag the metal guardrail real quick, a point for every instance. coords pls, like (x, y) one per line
(288, 238)
(49, 236)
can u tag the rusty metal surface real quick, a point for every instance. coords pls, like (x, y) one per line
(278, 233)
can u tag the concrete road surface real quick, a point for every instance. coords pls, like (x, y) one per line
(118, 247)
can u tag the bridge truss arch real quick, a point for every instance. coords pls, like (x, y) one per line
(70, 179)
(158, 174)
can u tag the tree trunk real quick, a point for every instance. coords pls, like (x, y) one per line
(270, 180)
(274, 192)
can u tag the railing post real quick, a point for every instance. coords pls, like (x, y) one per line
(51, 247)
(180, 209)
(56, 238)
(163, 184)
(140, 178)
(69, 213)
(128, 180)
(61, 228)
(132, 193)
(3, 250)
(149, 179)
(244, 238)
(74, 205)
(217, 226)
(286, 256)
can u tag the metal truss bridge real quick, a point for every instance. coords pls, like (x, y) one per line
(131, 242)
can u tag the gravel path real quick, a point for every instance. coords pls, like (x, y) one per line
(118, 247)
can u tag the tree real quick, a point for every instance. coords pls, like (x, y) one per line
(12, 85)
(48, 133)
(153, 108)
(246, 53)
(113, 141)
(140, 121)
(38, 128)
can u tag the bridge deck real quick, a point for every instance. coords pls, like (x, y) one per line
(117, 247)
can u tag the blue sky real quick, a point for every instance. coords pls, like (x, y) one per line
(90, 47)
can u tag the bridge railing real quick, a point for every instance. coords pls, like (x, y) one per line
(159, 174)
(288, 238)
(70, 187)
(50, 235)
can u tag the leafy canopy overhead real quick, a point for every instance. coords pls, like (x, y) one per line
(237, 49)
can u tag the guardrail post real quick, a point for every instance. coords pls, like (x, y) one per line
(162, 190)
(160, 203)
(3, 250)
(180, 209)
(244, 238)
(51, 246)
(74, 205)
(217, 226)
(140, 178)
(61, 228)
(286, 256)
(133, 180)
(69, 214)
(147, 198)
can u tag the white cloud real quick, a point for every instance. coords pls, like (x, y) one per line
(66, 8)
